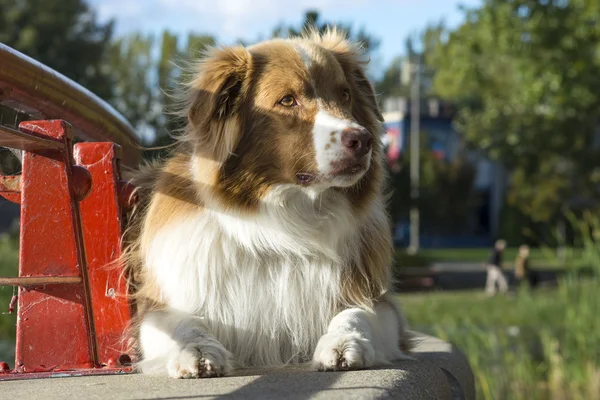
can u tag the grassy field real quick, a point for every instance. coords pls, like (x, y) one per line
(536, 345)
(541, 345)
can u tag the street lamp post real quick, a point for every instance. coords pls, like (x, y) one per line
(415, 115)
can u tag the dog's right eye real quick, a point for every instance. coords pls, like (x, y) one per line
(288, 101)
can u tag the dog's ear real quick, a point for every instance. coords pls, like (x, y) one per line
(216, 93)
(353, 62)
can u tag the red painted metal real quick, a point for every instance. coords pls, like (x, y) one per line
(72, 307)
(82, 182)
(54, 328)
(29, 142)
(11, 376)
(102, 228)
(10, 186)
(14, 197)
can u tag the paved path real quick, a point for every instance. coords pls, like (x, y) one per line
(439, 372)
(462, 276)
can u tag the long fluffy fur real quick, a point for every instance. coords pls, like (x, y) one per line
(259, 264)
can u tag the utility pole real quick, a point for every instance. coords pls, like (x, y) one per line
(415, 116)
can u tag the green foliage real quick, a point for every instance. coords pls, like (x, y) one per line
(146, 82)
(514, 225)
(390, 84)
(133, 68)
(62, 34)
(524, 74)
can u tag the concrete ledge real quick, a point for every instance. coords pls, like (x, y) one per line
(440, 372)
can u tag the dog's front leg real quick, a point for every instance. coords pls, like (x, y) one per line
(357, 338)
(180, 345)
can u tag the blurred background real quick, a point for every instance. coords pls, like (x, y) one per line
(492, 131)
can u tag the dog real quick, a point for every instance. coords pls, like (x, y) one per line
(264, 239)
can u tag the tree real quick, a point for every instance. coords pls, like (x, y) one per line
(390, 85)
(147, 80)
(525, 76)
(133, 70)
(62, 34)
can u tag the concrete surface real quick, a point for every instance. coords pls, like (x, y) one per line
(439, 372)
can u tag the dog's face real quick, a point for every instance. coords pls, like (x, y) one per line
(297, 112)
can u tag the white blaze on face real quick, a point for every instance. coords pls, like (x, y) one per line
(327, 135)
(305, 54)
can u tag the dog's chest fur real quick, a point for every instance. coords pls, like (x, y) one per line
(271, 281)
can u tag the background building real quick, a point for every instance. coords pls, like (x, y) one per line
(489, 185)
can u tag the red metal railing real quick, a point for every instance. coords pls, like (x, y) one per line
(72, 295)
(31, 87)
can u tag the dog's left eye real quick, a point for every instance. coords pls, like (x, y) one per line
(288, 101)
(346, 96)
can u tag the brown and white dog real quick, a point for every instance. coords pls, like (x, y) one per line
(265, 239)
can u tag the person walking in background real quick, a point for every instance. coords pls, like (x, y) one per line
(494, 269)
(522, 268)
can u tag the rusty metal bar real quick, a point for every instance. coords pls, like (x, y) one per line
(31, 87)
(29, 281)
(23, 141)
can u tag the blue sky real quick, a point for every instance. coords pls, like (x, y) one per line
(390, 20)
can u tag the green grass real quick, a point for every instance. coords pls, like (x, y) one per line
(533, 346)
(540, 257)
(9, 259)
(536, 345)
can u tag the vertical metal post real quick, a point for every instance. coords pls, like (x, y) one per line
(102, 216)
(55, 330)
(415, 114)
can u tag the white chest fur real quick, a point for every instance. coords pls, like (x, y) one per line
(261, 283)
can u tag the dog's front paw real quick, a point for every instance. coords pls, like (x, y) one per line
(202, 359)
(343, 351)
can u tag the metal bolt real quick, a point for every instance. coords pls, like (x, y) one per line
(4, 368)
(124, 359)
(112, 363)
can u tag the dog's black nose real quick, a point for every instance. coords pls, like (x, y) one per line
(357, 141)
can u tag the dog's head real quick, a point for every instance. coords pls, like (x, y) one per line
(287, 112)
